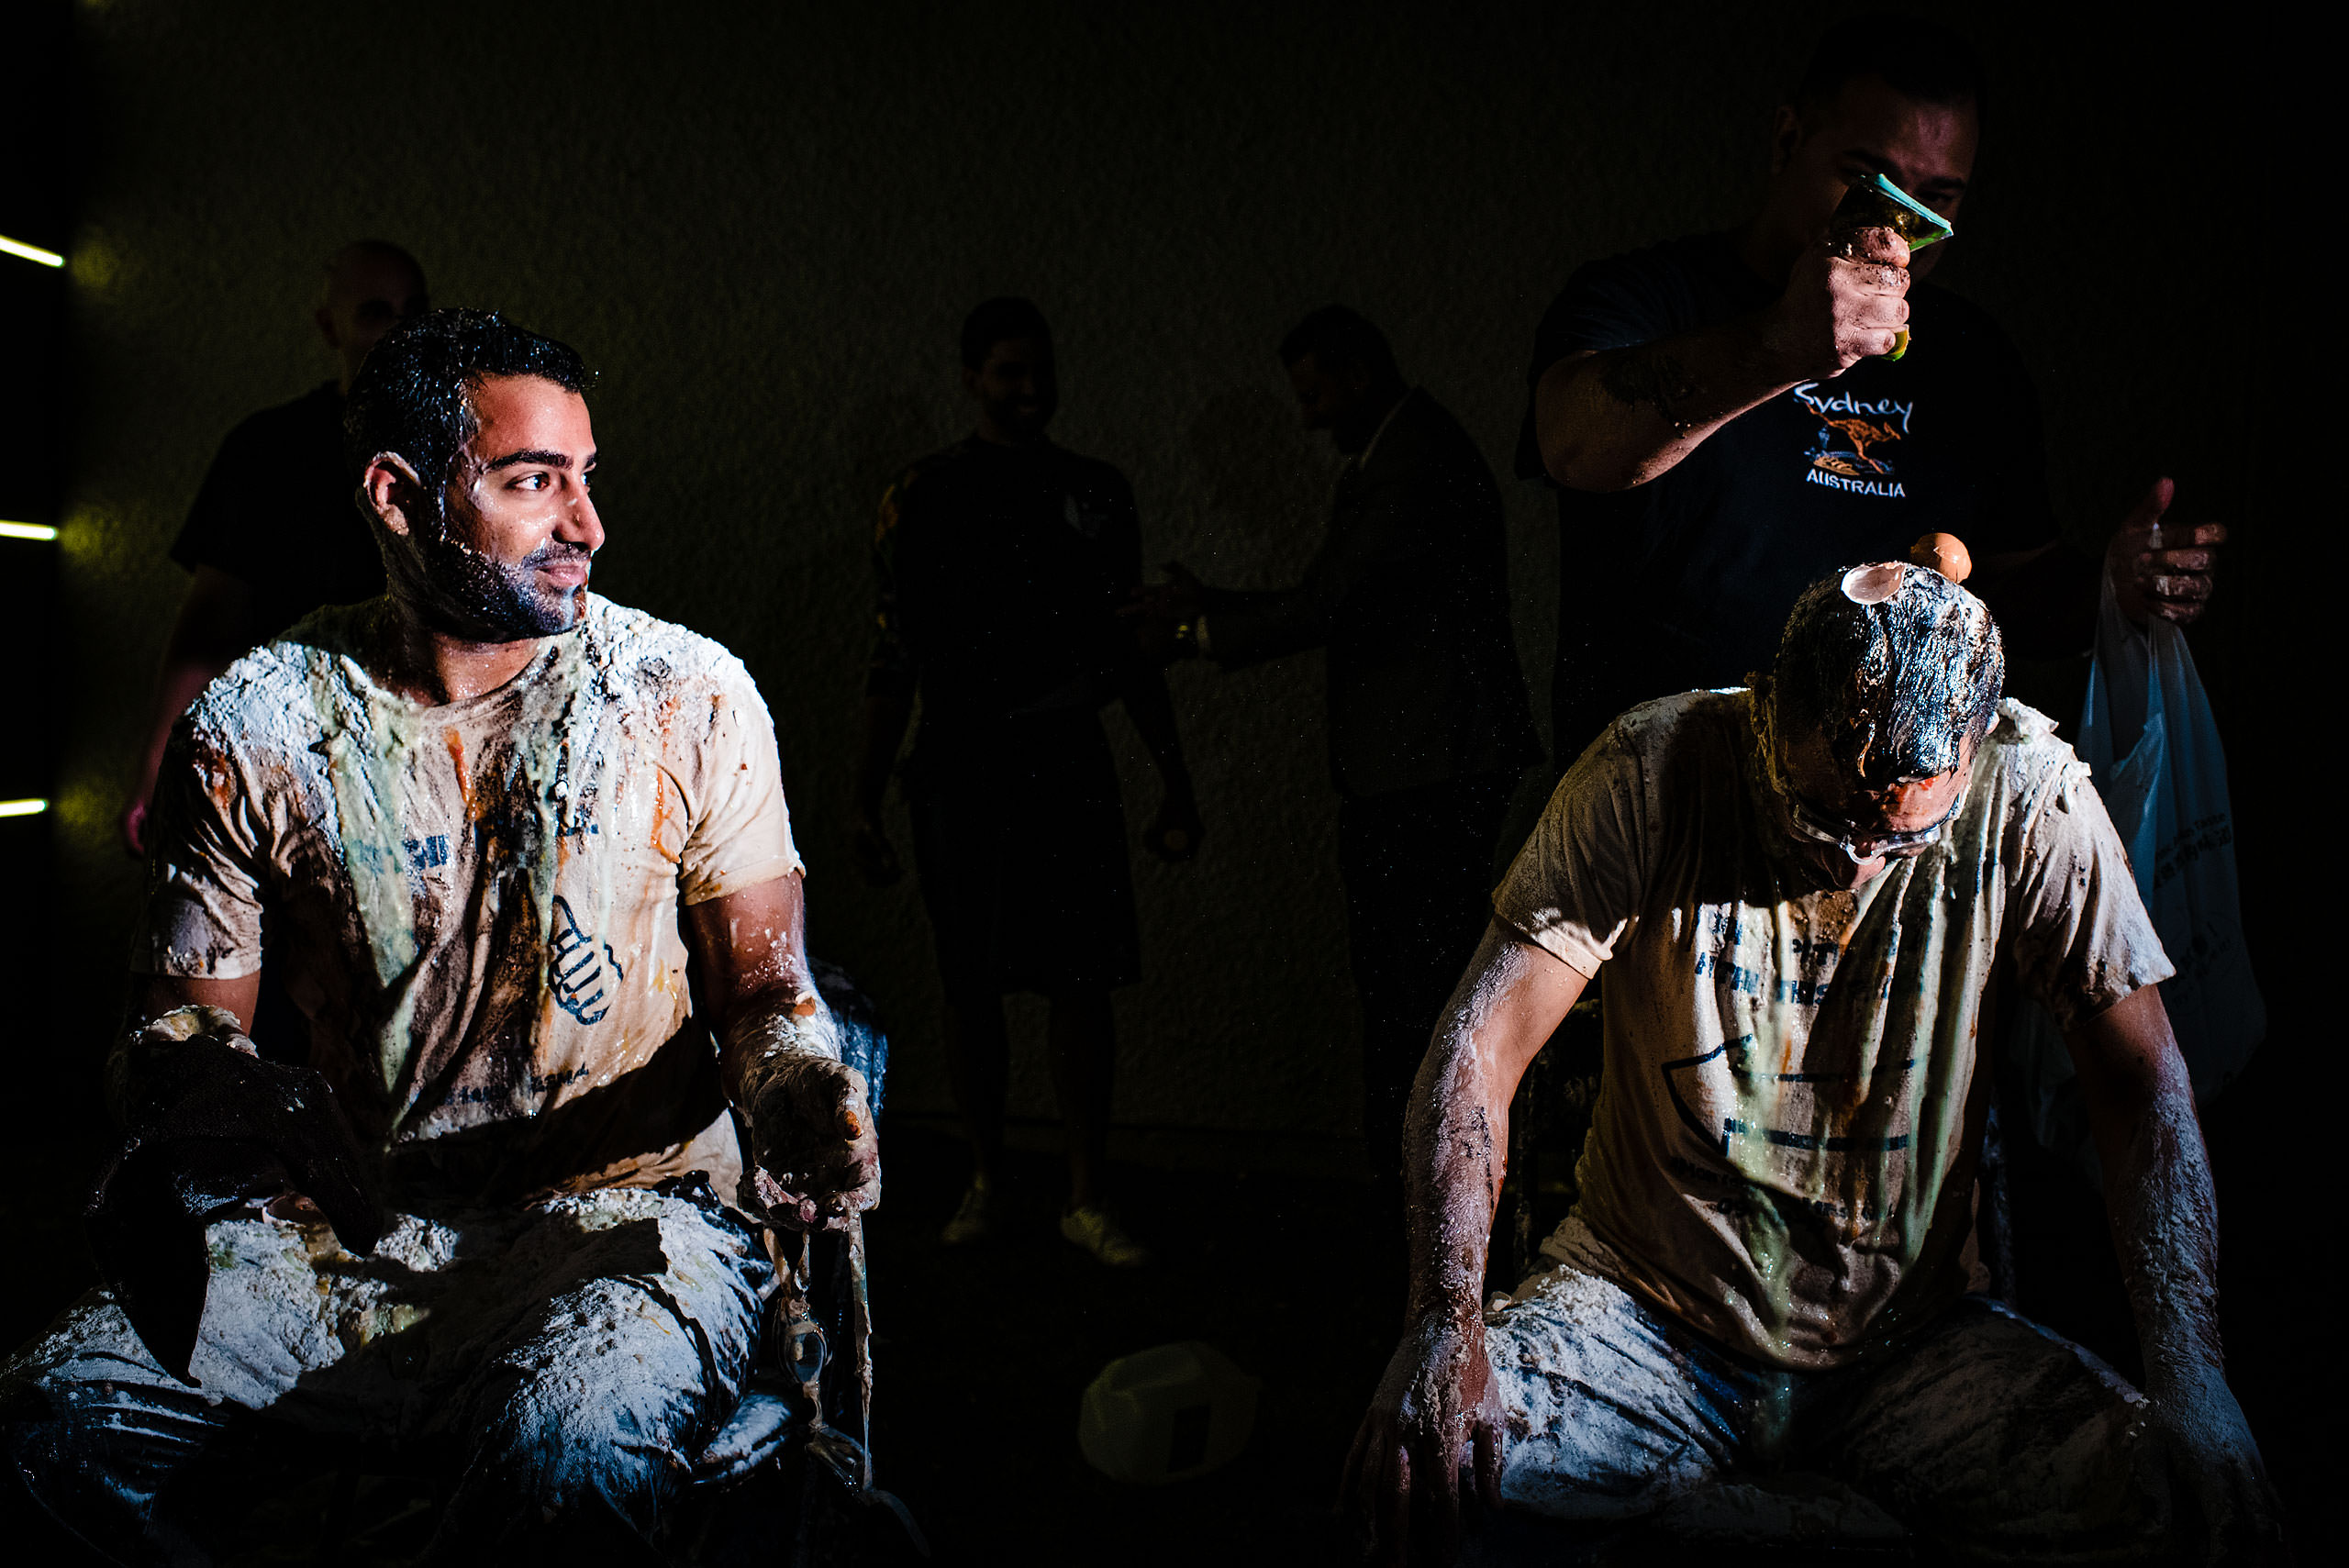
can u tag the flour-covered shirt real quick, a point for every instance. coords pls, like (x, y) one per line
(476, 904)
(1783, 1150)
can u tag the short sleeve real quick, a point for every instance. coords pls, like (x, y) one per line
(2082, 938)
(202, 915)
(1606, 304)
(1613, 304)
(741, 827)
(1573, 889)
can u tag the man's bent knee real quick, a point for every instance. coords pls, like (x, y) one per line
(92, 1431)
(558, 1451)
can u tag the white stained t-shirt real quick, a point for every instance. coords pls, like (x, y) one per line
(476, 904)
(1782, 1149)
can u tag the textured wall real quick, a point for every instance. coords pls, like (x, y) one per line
(764, 224)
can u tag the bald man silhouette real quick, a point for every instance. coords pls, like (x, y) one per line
(274, 532)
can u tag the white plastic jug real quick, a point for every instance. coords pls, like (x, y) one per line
(1166, 1414)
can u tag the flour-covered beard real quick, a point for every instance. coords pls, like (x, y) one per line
(498, 601)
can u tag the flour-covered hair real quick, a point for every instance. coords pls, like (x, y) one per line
(1895, 667)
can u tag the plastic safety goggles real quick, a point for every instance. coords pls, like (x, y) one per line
(1821, 828)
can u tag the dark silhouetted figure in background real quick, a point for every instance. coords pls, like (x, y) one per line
(1002, 562)
(273, 534)
(1722, 429)
(1429, 723)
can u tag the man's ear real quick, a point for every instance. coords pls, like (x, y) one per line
(325, 319)
(390, 489)
(970, 380)
(1786, 135)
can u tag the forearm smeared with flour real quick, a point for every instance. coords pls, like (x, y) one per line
(1435, 1409)
(2164, 1214)
(814, 1155)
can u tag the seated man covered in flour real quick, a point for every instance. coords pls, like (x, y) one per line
(1798, 893)
(480, 826)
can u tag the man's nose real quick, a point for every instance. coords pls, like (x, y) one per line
(581, 525)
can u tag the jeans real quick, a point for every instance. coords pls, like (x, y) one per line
(562, 1362)
(1986, 1433)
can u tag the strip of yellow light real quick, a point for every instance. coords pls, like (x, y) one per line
(31, 252)
(27, 530)
(22, 808)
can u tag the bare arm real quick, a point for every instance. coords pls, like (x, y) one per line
(2164, 1216)
(1614, 418)
(148, 1027)
(816, 1154)
(153, 996)
(215, 627)
(1435, 1406)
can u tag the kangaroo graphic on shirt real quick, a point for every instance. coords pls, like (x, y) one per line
(1848, 427)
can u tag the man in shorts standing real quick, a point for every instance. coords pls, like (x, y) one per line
(1002, 563)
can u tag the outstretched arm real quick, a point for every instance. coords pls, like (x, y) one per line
(1613, 419)
(815, 1153)
(2164, 1216)
(1435, 1406)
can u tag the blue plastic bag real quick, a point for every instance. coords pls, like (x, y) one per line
(2157, 759)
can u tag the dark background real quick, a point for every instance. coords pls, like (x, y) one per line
(762, 225)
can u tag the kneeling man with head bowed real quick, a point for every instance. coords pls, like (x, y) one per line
(1797, 894)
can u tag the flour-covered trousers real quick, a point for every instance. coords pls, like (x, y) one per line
(562, 1362)
(1987, 1434)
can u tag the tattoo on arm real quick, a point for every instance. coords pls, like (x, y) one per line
(1648, 376)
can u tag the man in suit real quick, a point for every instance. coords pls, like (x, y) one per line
(1429, 727)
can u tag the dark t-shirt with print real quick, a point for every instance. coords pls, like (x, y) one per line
(1685, 582)
(277, 512)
